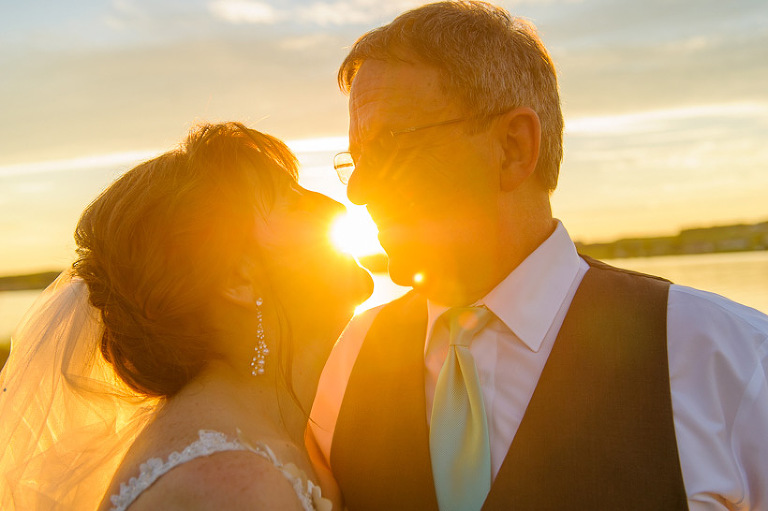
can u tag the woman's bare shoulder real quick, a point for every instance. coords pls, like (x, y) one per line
(224, 480)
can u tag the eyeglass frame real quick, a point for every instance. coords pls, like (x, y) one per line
(339, 167)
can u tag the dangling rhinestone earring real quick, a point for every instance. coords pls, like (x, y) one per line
(261, 350)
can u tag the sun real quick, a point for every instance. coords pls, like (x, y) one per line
(355, 233)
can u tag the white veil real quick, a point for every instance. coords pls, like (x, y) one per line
(66, 419)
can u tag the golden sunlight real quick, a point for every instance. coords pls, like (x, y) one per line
(355, 233)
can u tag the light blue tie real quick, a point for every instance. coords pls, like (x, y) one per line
(458, 437)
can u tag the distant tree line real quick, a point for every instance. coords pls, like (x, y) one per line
(5, 350)
(705, 240)
(31, 281)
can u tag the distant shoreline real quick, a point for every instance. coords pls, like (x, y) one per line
(704, 240)
(5, 350)
(28, 282)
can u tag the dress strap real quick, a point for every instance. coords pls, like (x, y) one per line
(211, 442)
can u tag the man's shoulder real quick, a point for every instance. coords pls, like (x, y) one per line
(718, 357)
(600, 265)
(706, 330)
(359, 325)
(350, 341)
(704, 310)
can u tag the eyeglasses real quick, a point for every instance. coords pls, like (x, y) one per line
(344, 164)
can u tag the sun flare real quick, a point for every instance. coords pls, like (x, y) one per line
(355, 233)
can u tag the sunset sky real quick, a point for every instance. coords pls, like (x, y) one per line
(666, 103)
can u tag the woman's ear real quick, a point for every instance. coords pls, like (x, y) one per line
(519, 132)
(241, 287)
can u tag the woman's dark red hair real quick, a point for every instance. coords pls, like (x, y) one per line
(160, 241)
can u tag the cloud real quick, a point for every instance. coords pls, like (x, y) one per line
(653, 120)
(354, 12)
(308, 42)
(691, 44)
(111, 160)
(321, 13)
(245, 11)
(337, 13)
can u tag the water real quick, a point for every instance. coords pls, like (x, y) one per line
(13, 305)
(741, 276)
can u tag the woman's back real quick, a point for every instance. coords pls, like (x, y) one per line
(209, 448)
(214, 472)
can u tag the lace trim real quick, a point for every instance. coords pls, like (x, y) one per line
(211, 442)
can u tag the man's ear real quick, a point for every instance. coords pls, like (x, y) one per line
(241, 287)
(519, 132)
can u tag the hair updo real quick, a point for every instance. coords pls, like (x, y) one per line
(157, 244)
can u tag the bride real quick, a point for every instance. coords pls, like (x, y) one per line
(173, 367)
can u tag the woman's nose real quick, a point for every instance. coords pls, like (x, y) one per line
(324, 205)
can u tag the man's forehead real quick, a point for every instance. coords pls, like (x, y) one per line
(394, 94)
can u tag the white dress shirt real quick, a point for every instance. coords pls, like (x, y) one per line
(718, 366)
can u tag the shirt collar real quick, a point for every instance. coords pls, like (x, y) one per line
(528, 299)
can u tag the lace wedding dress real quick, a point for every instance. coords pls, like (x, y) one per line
(67, 420)
(211, 442)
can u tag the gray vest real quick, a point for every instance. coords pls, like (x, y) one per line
(598, 433)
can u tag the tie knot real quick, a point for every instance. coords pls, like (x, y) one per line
(465, 322)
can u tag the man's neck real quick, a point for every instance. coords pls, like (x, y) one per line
(473, 281)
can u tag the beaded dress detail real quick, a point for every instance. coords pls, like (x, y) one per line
(210, 442)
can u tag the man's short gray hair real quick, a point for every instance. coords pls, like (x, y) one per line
(490, 61)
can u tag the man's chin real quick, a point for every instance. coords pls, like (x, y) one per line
(409, 258)
(403, 274)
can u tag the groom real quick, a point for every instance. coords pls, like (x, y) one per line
(517, 374)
